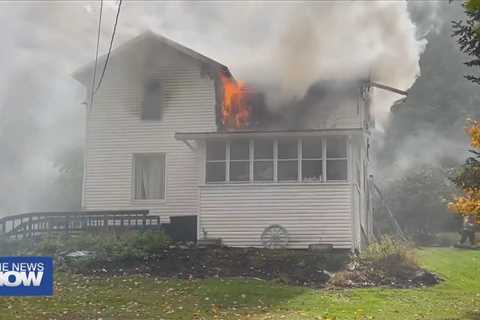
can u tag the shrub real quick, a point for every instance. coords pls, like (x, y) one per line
(50, 246)
(110, 245)
(9, 247)
(389, 255)
(151, 242)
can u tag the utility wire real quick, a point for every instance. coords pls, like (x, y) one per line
(96, 54)
(110, 48)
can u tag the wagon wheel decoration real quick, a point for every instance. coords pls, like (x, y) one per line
(275, 237)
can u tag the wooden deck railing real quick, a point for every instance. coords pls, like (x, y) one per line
(39, 223)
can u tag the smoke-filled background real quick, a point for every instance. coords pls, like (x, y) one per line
(280, 48)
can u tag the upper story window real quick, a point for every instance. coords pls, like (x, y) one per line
(152, 106)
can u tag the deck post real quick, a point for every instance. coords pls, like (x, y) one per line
(30, 227)
(67, 221)
(24, 228)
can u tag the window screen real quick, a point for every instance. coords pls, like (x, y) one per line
(239, 160)
(216, 161)
(287, 160)
(312, 163)
(263, 160)
(337, 158)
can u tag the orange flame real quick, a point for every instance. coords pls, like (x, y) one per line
(235, 110)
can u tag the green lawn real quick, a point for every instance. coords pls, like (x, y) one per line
(145, 297)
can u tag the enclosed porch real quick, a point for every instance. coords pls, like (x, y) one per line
(299, 180)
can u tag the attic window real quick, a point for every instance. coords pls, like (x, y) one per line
(152, 100)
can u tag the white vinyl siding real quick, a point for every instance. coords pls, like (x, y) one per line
(311, 213)
(116, 131)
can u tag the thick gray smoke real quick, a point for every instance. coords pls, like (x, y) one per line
(281, 47)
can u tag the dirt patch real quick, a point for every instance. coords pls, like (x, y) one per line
(295, 267)
(364, 276)
(298, 267)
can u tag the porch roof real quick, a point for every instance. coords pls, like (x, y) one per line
(184, 136)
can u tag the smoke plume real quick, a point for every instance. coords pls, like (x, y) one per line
(283, 48)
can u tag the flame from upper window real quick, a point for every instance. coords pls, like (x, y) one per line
(236, 111)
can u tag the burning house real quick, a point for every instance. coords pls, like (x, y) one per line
(172, 131)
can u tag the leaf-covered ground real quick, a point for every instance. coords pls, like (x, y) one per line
(146, 297)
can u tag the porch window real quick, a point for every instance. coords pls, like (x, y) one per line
(149, 176)
(240, 160)
(307, 159)
(287, 160)
(336, 158)
(312, 160)
(216, 161)
(263, 160)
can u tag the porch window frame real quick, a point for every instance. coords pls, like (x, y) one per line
(276, 160)
(322, 159)
(230, 161)
(298, 159)
(348, 166)
(225, 161)
(254, 161)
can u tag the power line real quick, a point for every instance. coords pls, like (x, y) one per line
(110, 48)
(96, 54)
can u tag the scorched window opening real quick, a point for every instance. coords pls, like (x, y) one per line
(283, 160)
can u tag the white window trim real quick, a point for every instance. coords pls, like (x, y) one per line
(322, 159)
(347, 156)
(226, 161)
(276, 160)
(132, 184)
(240, 161)
(269, 160)
(298, 159)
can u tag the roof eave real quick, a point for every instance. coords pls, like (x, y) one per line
(184, 136)
(81, 73)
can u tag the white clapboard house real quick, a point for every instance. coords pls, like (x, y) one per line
(154, 141)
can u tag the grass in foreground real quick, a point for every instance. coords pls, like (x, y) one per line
(144, 297)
